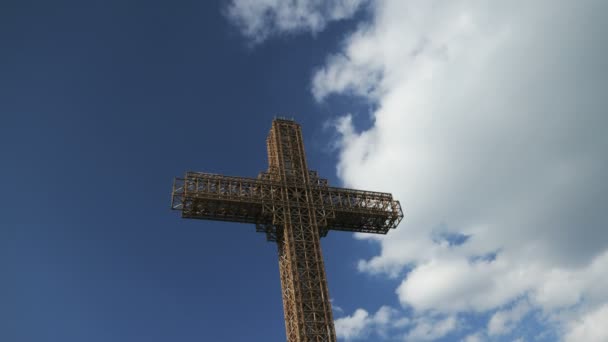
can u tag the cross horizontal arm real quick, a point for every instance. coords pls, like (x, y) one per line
(224, 198)
(239, 199)
(361, 211)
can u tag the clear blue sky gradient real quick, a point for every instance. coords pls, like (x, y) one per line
(102, 103)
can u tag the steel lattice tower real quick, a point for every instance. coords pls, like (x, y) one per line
(294, 208)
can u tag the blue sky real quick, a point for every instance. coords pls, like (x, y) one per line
(486, 121)
(102, 104)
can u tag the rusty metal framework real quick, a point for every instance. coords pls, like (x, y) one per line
(294, 207)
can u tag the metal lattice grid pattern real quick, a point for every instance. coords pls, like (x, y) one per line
(294, 208)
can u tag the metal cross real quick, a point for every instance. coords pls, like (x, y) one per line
(294, 208)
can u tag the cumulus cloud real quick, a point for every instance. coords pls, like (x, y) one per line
(489, 124)
(477, 337)
(260, 19)
(427, 329)
(589, 328)
(361, 324)
(353, 326)
(504, 321)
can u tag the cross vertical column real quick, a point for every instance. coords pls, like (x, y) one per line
(306, 304)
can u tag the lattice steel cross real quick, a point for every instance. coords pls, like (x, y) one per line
(295, 208)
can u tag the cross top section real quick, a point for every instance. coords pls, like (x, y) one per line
(256, 200)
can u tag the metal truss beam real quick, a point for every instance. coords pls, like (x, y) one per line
(239, 199)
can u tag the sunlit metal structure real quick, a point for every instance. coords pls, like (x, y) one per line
(294, 208)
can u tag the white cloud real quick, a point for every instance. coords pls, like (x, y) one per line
(259, 19)
(354, 326)
(502, 322)
(477, 337)
(590, 328)
(360, 324)
(335, 307)
(490, 123)
(458, 285)
(427, 329)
